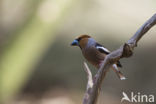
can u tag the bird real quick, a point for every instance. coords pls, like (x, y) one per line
(95, 53)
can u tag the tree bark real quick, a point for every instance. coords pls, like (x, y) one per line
(125, 50)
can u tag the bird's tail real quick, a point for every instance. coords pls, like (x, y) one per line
(118, 72)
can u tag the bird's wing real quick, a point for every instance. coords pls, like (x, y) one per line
(104, 50)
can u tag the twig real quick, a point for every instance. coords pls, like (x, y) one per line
(90, 81)
(89, 74)
(125, 50)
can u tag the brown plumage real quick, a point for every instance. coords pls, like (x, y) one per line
(95, 53)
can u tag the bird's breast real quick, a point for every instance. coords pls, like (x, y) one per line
(93, 56)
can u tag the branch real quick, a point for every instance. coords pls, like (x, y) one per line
(90, 82)
(125, 50)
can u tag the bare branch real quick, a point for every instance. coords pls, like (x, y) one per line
(125, 50)
(89, 84)
(89, 74)
(142, 30)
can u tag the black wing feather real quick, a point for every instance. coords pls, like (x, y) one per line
(100, 49)
(106, 52)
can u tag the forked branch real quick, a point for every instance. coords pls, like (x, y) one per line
(125, 50)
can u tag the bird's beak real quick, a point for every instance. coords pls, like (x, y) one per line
(75, 43)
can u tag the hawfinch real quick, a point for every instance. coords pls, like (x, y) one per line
(95, 53)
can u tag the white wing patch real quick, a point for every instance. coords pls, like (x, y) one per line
(105, 49)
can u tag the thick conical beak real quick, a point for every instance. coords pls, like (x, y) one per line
(75, 43)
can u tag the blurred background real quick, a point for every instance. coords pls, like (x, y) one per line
(38, 65)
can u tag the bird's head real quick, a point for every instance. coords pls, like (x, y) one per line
(81, 41)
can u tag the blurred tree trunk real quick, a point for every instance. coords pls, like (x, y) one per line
(22, 54)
